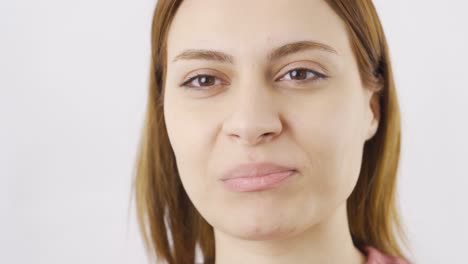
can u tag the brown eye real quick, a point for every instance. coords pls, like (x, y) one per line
(298, 74)
(201, 81)
(206, 80)
(303, 74)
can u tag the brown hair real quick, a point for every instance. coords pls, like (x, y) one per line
(172, 228)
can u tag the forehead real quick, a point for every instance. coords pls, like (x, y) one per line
(253, 27)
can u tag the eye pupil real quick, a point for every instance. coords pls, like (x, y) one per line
(208, 80)
(299, 73)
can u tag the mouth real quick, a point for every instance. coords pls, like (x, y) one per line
(257, 177)
(258, 183)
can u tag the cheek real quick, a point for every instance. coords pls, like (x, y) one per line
(330, 136)
(190, 136)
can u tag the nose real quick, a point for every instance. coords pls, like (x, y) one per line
(254, 118)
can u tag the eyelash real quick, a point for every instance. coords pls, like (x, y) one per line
(319, 76)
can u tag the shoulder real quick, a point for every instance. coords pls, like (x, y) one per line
(375, 256)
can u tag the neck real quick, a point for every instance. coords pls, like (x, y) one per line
(326, 242)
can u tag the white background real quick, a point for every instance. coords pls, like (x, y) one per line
(73, 84)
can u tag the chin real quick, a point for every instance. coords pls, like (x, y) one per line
(259, 232)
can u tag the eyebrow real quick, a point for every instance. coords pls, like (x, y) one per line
(282, 51)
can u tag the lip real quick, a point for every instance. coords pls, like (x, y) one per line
(256, 176)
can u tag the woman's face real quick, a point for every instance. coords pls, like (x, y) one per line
(256, 105)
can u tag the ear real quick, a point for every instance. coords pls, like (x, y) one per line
(373, 117)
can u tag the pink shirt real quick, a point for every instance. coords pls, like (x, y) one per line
(374, 256)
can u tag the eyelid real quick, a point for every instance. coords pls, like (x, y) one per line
(320, 75)
(186, 83)
(289, 68)
(200, 72)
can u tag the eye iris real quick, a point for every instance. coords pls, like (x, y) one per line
(207, 80)
(299, 73)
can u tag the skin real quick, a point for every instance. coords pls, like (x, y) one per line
(256, 110)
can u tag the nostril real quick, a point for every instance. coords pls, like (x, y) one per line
(269, 135)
